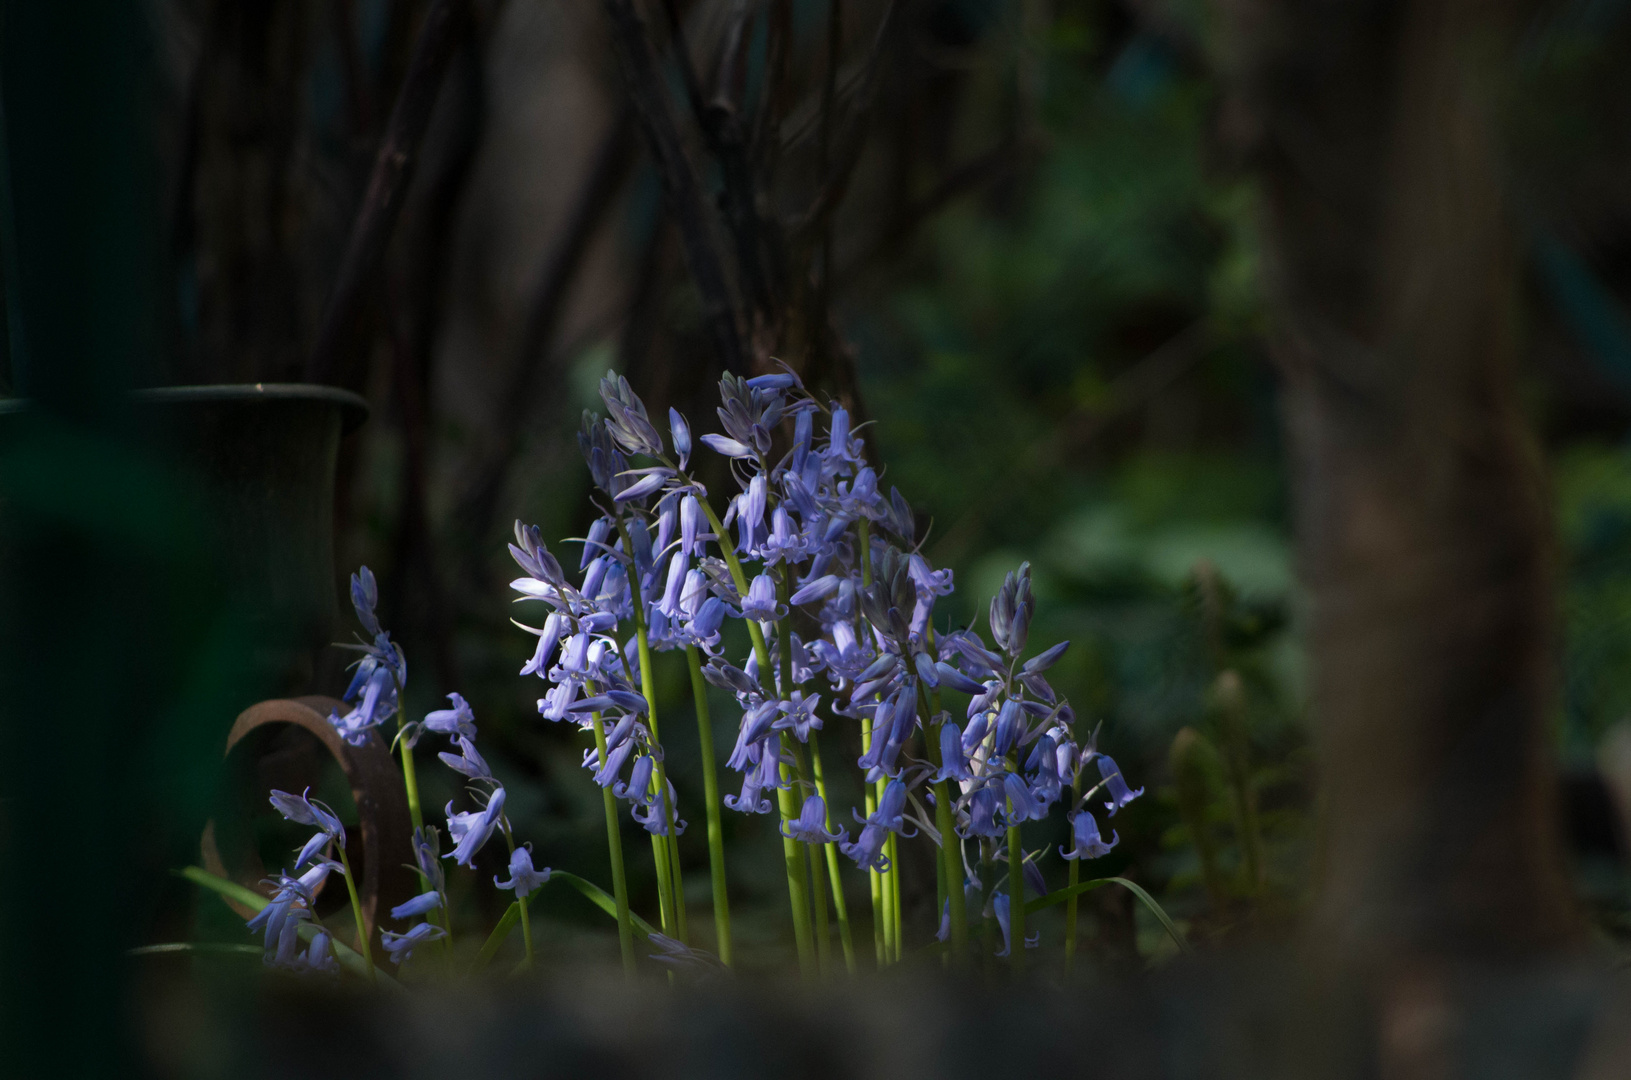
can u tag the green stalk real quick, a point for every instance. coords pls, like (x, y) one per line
(888, 882)
(839, 906)
(710, 791)
(874, 879)
(614, 847)
(364, 946)
(792, 850)
(818, 876)
(1016, 899)
(1074, 879)
(526, 923)
(664, 852)
(895, 923)
(951, 863)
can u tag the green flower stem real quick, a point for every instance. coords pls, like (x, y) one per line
(831, 850)
(818, 872)
(888, 882)
(526, 923)
(364, 946)
(874, 879)
(614, 847)
(951, 862)
(797, 872)
(664, 852)
(792, 850)
(1016, 899)
(896, 926)
(710, 790)
(1074, 879)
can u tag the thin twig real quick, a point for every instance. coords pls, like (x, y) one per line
(649, 95)
(444, 26)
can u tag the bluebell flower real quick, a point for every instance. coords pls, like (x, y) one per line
(638, 787)
(1022, 804)
(811, 825)
(364, 598)
(523, 878)
(680, 431)
(818, 589)
(319, 957)
(1000, 908)
(459, 720)
(760, 603)
(954, 763)
(1115, 785)
(1010, 726)
(673, 591)
(531, 554)
(628, 423)
(427, 857)
(653, 816)
(1044, 660)
(1086, 842)
(889, 817)
(982, 812)
(956, 680)
(401, 946)
(285, 951)
(472, 829)
(419, 905)
(766, 757)
(303, 811)
(467, 762)
(799, 715)
(749, 508)
(549, 636)
(616, 756)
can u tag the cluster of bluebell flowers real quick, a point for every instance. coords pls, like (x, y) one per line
(825, 573)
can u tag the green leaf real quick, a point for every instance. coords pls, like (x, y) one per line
(512, 916)
(349, 958)
(489, 948)
(602, 899)
(195, 946)
(1062, 895)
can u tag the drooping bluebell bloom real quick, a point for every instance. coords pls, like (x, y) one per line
(954, 763)
(653, 816)
(419, 905)
(467, 762)
(459, 720)
(549, 636)
(680, 431)
(1022, 804)
(1000, 908)
(1086, 841)
(982, 812)
(765, 773)
(799, 715)
(1010, 726)
(811, 824)
(472, 829)
(523, 878)
(401, 946)
(616, 757)
(303, 811)
(1115, 785)
(427, 857)
(638, 787)
(285, 953)
(760, 603)
(319, 957)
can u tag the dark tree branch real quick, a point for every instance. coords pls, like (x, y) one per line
(684, 191)
(591, 205)
(443, 28)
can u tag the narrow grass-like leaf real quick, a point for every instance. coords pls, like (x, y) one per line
(512, 916)
(195, 947)
(1062, 895)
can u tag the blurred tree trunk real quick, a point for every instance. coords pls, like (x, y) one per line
(1422, 509)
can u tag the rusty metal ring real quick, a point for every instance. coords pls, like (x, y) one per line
(383, 877)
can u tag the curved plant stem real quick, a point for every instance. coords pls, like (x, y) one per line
(710, 792)
(363, 945)
(614, 848)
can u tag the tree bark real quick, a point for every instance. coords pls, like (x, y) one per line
(1422, 511)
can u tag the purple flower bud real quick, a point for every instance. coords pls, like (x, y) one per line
(680, 430)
